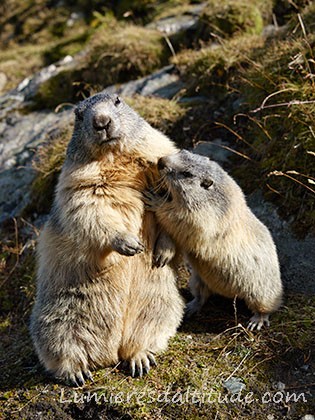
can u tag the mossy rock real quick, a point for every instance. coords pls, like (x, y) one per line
(115, 54)
(229, 17)
(65, 87)
(125, 53)
(210, 70)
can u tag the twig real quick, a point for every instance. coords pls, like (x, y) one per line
(279, 173)
(298, 173)
(235, 309)
(58, 107)
(237, 153)
(237, 367)
(254, 121)
(302, 25)
(273, 190)
(239, 137)
(170, 46)
(282, 104)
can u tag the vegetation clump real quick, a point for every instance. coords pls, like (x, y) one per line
(229, 17)
(278, 87)
(126, 52)
(212, 69)
(266, 86)
(47, 163)
(160, 113)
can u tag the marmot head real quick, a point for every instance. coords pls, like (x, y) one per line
(195, 182)
(104, 123)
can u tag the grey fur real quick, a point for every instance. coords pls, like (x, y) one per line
(232, 253)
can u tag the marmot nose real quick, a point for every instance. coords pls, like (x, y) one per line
(101, 122)
(161, 164)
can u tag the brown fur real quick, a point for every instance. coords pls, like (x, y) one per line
(94, 305)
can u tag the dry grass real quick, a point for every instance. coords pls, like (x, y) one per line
(160, 113)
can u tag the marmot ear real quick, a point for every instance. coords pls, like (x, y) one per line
(78, 113)
(206, 183)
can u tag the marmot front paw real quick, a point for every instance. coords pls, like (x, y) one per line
(152, 200)
(127, 245)
(164, 250)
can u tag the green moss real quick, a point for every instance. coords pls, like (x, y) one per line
(229, 17)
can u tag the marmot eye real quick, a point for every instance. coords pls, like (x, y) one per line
(117, 101)
(206, 183)
(187, 174)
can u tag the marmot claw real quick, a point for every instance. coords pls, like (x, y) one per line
(141, 363)
(77, 379)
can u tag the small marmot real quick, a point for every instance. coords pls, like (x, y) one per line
(231, 252)
(99, 300)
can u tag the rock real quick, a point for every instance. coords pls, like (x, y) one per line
(164, 83)
(214, 150)
(234, 385)
(28, 88)
(296, 256)
(308, 417)
(279, 386)
(19, 137)
(172, 25)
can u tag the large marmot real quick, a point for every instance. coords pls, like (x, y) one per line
(232, 253)
(99, 300)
